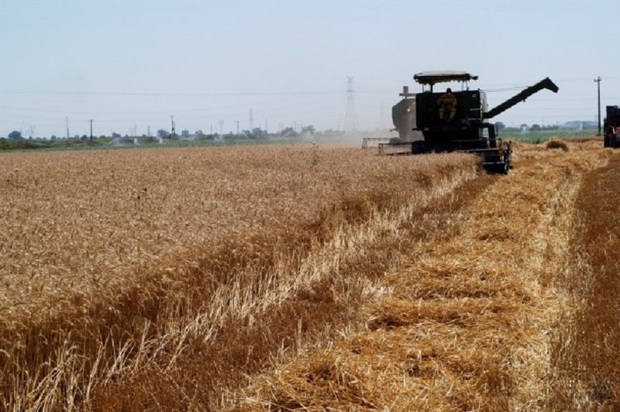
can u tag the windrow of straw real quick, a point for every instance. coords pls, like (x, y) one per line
(467, 319)
(161, 279)
(586, 346)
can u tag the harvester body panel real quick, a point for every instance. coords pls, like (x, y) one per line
(452, 120)
(404, 119)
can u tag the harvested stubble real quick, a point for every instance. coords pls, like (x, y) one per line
(469, 318)
(586, 346)
(160, 279)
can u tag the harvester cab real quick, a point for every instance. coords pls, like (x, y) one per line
(451, 118)
(456, 118)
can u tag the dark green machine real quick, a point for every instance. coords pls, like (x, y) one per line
(456, 120)
(611, 127)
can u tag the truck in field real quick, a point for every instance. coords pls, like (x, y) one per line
(611, 127)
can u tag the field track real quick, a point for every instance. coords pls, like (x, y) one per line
(415, 284)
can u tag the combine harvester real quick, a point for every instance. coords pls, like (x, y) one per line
(611, 126)
(453, 120)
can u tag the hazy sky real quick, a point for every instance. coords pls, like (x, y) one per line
(132, 64)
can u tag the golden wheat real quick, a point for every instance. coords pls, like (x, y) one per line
(131, 258)
(300, 276)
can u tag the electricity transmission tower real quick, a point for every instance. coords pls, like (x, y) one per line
(350, 118)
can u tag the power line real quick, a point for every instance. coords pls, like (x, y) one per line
(165, 94)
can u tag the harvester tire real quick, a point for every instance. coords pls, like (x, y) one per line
(419, 147)
(507, 166)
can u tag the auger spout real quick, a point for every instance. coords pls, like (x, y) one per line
(520, 97)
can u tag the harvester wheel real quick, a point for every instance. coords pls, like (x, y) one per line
(419, 147)
(507, 156)
(507, 165)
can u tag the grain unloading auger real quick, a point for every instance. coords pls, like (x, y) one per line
(453, 120)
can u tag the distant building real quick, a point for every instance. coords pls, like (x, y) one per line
(579, 125)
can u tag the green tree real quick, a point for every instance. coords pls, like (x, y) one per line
(15, 135)
(288, 132)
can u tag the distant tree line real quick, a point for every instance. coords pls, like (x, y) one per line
(15, 139)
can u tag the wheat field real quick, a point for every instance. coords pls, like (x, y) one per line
(304, 277)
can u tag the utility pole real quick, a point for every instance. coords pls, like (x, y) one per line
(91, 129)
(598, 87)
(172, 132)
(67, 122)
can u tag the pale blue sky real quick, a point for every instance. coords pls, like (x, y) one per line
(134, 63)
